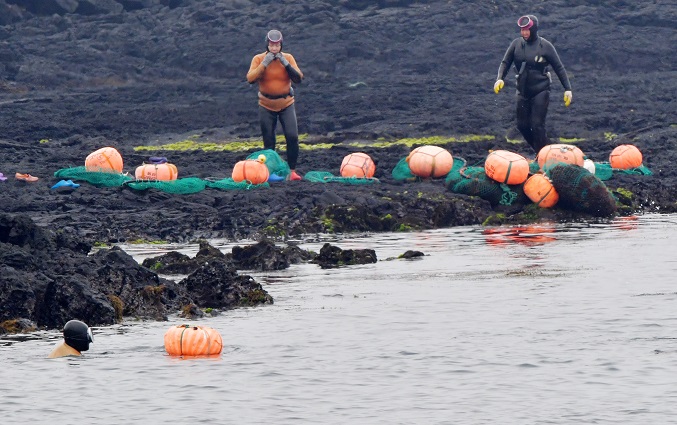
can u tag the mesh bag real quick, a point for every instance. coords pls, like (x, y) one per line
(327, 177)
(474, 181)
(276, 165)
(230, 184)
(103, 178)
(402, 172)
(178, 186)
(579, 190)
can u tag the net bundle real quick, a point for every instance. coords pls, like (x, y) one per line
(474, 181)
(276, 165)
(580, 190)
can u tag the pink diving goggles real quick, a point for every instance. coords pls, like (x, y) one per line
(525, 22)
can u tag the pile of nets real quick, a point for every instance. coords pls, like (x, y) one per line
(580, 190)
(474, 181)
(276, 165)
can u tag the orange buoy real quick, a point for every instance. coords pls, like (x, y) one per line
(186, 340)
(567, 154)
(624, 157)
(506, 167)
(541, 191)
(106, 159)
(161, 172)
(251, 170)
(358, 165)
(430, 161)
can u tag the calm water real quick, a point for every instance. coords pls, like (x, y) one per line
(564, 325)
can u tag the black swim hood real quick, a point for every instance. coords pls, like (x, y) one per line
(77, 335)
(274, 36)
(534, 28)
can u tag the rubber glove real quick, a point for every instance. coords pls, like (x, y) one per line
(282, 59)
(498, 85)
(268, 59)
(567, 98)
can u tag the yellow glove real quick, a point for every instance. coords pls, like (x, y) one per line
(498, 85)
(567, 98)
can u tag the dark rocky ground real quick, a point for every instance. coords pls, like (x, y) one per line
(76, 75)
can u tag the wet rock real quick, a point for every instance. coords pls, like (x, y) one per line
(217, 285)
(333, 256)
(261, 256)
(412, 254)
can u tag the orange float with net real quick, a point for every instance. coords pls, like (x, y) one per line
(186, 340)
(625, 157)
(254, 171)
(567, 154)
(107, 160)
(159, 172)
(359, 165)
(430, 161)
(506, 167)
(541, 191)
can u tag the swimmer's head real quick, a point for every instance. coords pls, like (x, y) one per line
(77, 335)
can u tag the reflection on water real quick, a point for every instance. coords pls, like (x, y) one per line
(544, 324)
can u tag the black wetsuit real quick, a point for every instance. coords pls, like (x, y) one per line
(532, 59)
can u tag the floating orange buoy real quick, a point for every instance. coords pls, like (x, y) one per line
(105, 159)
(567, 154)
(624, 157)
(541, 191)
(358, 165)
(430, 161)
(506, 167)
(162, 172)
(185, 340)
(251, 170)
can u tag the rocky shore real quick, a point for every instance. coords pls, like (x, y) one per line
(166, 78)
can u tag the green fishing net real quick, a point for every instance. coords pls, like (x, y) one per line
(102, 178)
(179, 186)
(230, 184)
(475, 182)
(276, 165)
(580, 190)
(603, 171)
(402, 172)
(326, 177)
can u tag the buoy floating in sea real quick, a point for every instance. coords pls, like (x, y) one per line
(186, 340)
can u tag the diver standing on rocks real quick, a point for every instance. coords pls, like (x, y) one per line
(532, 55)
(76, 338)
(275, 71)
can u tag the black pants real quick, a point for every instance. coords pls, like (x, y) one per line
(531, 114)
(287, 118)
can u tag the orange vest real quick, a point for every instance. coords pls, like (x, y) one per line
(273, 81)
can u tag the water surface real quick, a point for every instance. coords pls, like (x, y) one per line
(550, 324)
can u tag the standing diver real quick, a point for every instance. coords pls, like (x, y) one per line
(77, 337)
(532, 55)
(275, 71)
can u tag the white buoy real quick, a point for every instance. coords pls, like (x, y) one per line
(589, 165)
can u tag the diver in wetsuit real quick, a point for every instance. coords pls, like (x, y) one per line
(77, 337)
(532, 55)
(275, 71)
